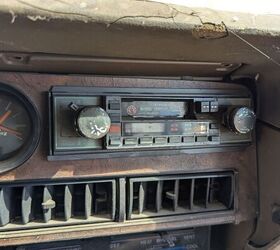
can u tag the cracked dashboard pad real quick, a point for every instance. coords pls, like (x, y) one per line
(91, 122)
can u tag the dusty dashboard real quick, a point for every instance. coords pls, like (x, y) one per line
(89, 154)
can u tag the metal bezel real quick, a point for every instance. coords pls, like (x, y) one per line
(28, 149)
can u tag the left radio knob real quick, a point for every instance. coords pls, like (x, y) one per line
(93, 122)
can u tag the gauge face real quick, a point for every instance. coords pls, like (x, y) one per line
(19, 128)
(15, 126)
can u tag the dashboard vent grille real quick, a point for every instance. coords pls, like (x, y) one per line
(184, 194)
(53, 204)
(30, 205)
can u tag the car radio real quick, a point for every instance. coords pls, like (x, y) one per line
(92, 122)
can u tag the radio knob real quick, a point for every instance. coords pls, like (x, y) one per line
(241, 120)
(93, 122)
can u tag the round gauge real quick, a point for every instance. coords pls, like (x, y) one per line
(19, 128)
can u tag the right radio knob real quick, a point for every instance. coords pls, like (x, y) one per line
(241, 120)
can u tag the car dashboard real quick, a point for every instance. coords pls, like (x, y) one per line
(137, 132)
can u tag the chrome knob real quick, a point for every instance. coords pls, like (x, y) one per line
(93, 122)
(241, 120)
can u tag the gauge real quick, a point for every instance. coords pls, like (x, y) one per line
(19, 128)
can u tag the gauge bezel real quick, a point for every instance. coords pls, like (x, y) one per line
(31, 144)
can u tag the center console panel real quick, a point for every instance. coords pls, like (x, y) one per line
(79, 184)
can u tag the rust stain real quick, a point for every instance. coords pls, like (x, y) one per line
(210, 31)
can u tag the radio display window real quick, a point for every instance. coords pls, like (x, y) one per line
(143, 128)
(153, 109)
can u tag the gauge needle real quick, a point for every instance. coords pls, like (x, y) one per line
(11, 131)
(4, 117)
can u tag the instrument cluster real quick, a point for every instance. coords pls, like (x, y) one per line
(19, 128)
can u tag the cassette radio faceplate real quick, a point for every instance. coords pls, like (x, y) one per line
(90, 122)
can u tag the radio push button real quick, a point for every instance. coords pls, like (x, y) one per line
(175, 139)
(188, 139)
(115, 129)
(207, 107)
(130, 141)
(115, 117)
(114, 105)
(115, 141)
(146, 140)
(160, 140)
(214, 107)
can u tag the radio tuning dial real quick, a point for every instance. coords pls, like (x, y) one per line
(241, 120)
(93, 122)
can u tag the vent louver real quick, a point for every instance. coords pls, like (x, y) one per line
(56, 203)
(32, 205)
(184, 194)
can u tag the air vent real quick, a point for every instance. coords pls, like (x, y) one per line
(184, 194)
(33, 205)
(53, 204)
